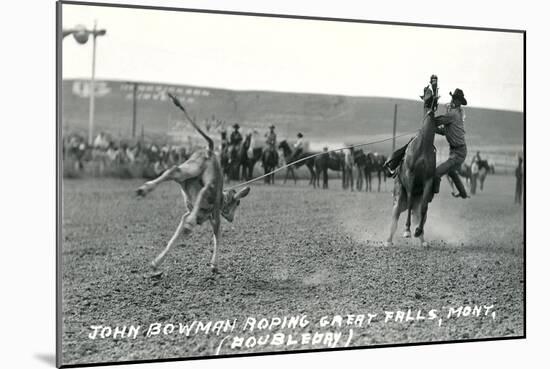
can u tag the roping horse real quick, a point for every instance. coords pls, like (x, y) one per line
(413, 186)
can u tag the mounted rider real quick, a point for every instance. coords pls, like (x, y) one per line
(431, 95)
(298, 147)
(430, 98)
(235, 139)
(271, 138)
(450, 125)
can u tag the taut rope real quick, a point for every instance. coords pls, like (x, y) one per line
(315, 155)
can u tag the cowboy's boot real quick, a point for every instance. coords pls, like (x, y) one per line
(436, 184)
(395, 159)
(458, 184)
(392, 164)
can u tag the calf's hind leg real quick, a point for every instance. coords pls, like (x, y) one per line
(215, 222)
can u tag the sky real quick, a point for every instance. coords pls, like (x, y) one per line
(296, 55)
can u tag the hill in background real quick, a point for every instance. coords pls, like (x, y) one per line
(324, 119)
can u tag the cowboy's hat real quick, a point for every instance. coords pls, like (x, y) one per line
(236, 126)
(271, 126)
(458, 95)
(300, 135)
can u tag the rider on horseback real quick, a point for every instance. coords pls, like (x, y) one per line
(298, 148)
(430, 96)
(271, 138)
(430, 99)
(450, 125)
(235, 139)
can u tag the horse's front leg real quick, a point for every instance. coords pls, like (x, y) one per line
(344, 178)
(368, 181)
(312, 176)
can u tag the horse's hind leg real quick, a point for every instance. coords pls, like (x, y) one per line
(419, 232)
(407, 233)
(398, 207)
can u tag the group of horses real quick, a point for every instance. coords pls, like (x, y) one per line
(345, 161)
(238, 164)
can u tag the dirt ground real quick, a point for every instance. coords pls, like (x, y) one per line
(291, 251)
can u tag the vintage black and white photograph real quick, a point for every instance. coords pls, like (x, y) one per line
(238, 184)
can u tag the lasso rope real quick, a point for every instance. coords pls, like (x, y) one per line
(315, 155)
(176, 101)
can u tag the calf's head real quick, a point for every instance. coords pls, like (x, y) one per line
(231, 201)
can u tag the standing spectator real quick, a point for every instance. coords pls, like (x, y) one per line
(519, 181)
(476, 158)
(99, 152)
(112, 153)
(101, 142)
(131, 153)
(475, 175)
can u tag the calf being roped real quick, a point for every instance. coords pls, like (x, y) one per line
(201, 180)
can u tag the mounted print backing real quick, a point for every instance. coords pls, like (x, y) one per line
(236, 184)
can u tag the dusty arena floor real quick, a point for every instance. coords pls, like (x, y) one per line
(291, 251)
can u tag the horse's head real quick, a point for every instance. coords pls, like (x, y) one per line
(283, 145)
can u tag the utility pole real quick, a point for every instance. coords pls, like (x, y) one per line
(81, 35)
(394, 127)
(134, 109)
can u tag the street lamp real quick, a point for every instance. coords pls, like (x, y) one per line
(81, 35)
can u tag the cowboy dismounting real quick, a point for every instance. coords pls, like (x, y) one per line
(450, 125)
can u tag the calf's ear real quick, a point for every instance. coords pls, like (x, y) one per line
(242, 193)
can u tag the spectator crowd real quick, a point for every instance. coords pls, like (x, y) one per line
(118, 158)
